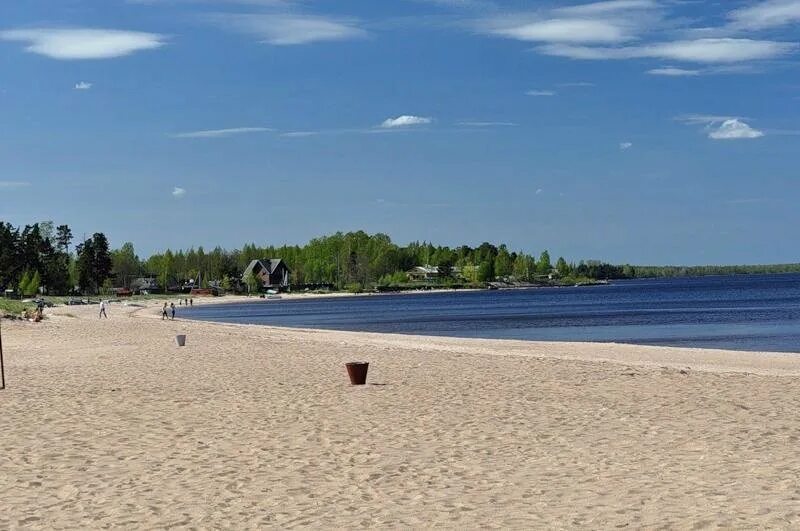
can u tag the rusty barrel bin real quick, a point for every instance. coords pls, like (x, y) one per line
(180, 340)
(357, 370)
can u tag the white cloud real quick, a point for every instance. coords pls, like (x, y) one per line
(722, 50)
(722, 127)
(763, 15)
(540, 93)
(624, 146)
(673, 72)
(576, 84)
(636, 29)
(725, 50)
(572, 30)
(14, 184)
(734, 129)
(605, 22)
(219, 133)
(73, 44)
(83, 85)
(290, 29)
(405, 121)
(178, 192)
(539, 191)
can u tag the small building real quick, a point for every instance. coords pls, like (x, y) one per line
(273, 273)
(152, 284)
(145, 285)
(423, 273)
(428, 273)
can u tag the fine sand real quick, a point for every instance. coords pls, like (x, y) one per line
(110, 424)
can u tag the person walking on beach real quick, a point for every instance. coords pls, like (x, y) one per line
(172, 308)
(103, 310)
(164, 312)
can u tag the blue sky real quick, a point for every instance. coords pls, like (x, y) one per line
(641, 131)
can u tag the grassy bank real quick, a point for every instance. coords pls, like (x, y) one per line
(12, 307)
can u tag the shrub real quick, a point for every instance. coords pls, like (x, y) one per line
(354, 288)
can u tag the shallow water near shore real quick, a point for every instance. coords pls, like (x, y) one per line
(746, 312)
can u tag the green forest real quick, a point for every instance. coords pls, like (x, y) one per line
(41, 258)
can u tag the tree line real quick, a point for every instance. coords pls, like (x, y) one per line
(39, 257)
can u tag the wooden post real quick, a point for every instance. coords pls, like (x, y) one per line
(2, 369)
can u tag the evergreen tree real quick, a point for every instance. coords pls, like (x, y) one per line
(101, 261)
(94, 263)
(63, 237)
(24, 284)
(544, 266)
(34, 284)
(84, 266)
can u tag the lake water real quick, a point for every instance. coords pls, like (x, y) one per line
(748, 312)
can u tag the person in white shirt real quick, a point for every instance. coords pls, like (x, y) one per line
(103, 310)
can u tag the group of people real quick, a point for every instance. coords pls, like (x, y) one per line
(168, 311)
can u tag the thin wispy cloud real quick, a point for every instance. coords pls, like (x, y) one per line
(267, 3)
(725, 50)
(83, 85)
(300, 134)
(604, 8)
(692, 119)
(673, 72)
(764, 15)
(222, 133)
(290, 29)
(540, 93)
(576, 84)
(625, 146)
(458, 3)
(747, 201)
(178, 192)
(13, 184)
(75, 44)
(636, 29)
(486, 124)
(405, 120)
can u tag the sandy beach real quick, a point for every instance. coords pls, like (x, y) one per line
(107, 423)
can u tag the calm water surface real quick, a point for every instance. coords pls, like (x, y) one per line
(758, 313)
